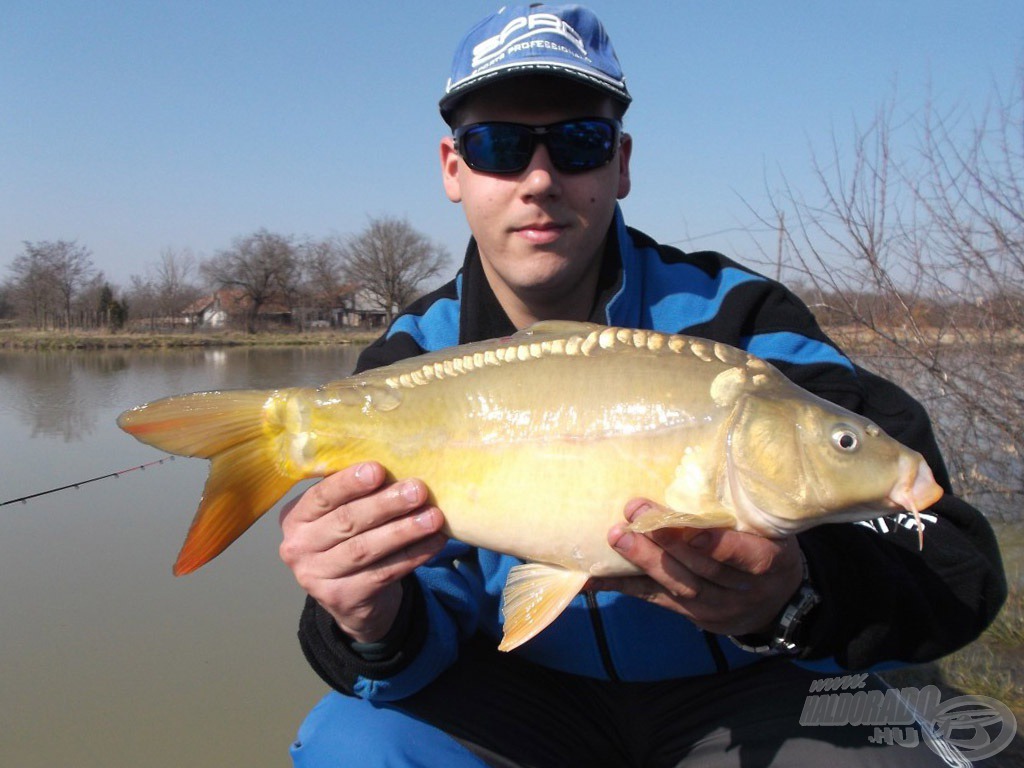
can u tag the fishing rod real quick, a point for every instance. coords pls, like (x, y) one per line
(25, 499)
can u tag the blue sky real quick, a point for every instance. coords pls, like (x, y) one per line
(139, 126)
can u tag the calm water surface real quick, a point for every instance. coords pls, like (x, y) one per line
(107, 659)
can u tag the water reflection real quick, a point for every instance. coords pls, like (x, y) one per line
(107, 659)
(55, 394)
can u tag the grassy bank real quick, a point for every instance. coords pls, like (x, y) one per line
(56, 340)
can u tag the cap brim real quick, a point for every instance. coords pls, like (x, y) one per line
(460, 90)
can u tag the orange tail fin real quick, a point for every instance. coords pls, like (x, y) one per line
(247, 473)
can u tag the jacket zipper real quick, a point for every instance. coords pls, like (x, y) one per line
(602, 638)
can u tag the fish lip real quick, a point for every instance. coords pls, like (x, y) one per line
(915, 488)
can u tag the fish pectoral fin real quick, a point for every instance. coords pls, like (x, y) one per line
(534, 596)
(713, 516)
(689, 500)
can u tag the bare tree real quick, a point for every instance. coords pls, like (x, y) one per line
(323, 285)
(7, 311)
(31, 289)
(142, 299)
(166, 288)
(47, 278)
(72, 269)
(175, 281)
(263, 266)
(390, 261)
(915, 261)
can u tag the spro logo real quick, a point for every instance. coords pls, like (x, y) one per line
(520, 29)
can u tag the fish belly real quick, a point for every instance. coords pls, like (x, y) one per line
(545, 499)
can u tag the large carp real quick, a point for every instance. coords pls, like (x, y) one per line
(532, 445)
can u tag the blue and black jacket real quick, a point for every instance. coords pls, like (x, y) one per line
(883, 599)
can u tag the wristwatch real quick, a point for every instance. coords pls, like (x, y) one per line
(784, 638)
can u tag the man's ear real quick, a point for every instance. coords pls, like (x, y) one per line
(450, 170)
(625, 151)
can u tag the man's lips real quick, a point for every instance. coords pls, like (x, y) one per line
(540, 232)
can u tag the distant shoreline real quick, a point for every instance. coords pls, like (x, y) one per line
(853, 339)
(46, 341)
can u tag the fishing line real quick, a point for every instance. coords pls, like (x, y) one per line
(24, 499)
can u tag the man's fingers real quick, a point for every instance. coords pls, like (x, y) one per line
(380, 544)
(334, 490)
(666, 570)
(718, 549)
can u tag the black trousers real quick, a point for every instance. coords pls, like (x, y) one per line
(512, 714)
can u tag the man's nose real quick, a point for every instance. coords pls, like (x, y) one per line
(541, 177)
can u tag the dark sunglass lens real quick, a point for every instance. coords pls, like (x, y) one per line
(496, 147)
(581, 145)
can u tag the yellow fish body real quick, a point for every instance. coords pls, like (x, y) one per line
(532, 446)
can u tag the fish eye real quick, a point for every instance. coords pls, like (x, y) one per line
(845, 438)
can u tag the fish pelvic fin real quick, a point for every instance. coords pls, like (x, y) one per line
(236, 430)
(535, 595)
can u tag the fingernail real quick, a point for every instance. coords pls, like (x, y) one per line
(624, 542)
(410, 492)
(365, 474)
(425, 519)
(641, 509)
(700, 541)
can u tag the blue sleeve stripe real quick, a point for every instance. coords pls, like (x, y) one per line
(789, 347)
(702, 300)
(436, 328)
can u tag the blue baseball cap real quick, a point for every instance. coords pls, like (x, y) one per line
(561, 40)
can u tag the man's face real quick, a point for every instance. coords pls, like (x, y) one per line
(540, 231)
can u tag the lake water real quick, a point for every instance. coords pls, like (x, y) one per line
(106, 659)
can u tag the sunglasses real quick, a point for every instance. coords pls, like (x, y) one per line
(575, 146)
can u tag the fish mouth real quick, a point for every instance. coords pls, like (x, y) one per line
(915, 490)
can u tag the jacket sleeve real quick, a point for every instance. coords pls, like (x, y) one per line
(884, 598)
(440, 608)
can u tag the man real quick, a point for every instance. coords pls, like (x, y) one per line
(710, 665)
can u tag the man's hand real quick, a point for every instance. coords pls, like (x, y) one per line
(727, 582)
(350, 539)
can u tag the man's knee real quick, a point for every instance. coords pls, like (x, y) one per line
(346, 731)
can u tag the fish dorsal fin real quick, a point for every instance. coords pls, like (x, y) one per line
(557, 327)
(535, 595)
